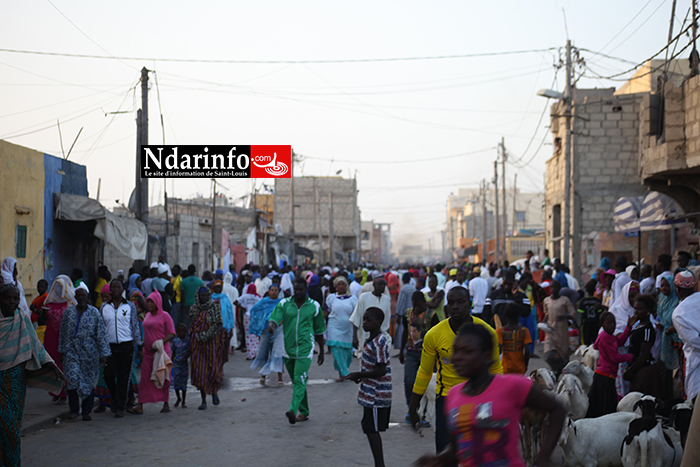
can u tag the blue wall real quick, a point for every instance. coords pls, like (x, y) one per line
(69, 240)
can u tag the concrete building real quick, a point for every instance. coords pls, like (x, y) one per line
(45, 240)
(609, 129)
(465, 220)
(325, 207)
(186, 237)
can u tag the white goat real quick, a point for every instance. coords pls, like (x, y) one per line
(647, 443)
(427, 405)
(629, 403)
(544, 378)
(572, 396)
(595, 442)
(582, 372)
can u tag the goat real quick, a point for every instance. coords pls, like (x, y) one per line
(572, 396)
(427, 405)
(595, 442)
(629, 403)
(680, 419)
(582, 372)
(646, 444)
(544, 378)
(532, 421)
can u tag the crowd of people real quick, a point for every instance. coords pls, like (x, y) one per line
(131, 338)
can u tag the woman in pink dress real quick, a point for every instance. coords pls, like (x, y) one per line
(157, 326)
(60, 297)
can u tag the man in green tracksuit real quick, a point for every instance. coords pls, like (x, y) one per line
(303, 322)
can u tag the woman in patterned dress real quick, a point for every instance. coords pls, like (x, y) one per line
(83, 345)
(206, 347)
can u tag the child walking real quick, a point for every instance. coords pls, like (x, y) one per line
(590, 308)
(375, 382)
(602, 398)
(180, 348)
(515, 341)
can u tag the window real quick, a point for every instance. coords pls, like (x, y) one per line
(195, 254)
(556, 221)
(21, 242)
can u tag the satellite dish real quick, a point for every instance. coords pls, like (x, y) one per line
(132, 201)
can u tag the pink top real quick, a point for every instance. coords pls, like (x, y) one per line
(608, 356)
(486, 427)
(156, 327)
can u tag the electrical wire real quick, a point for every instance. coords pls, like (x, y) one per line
(634, 68)
(410, 161)
(640, 26)
(89, 38)
(266, 62)
(624, 27)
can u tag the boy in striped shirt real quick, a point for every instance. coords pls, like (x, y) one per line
(375, 382)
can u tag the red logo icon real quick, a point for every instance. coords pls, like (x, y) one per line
(270, 161)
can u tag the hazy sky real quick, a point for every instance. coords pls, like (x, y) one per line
(388, 122)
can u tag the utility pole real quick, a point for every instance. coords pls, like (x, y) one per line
(144, 141)
(495, 217)
(291, 211)
(694, 54)
(318, 224)
(568, 97)
(515, 212)
(331, 253)
(213, 222)
(505, 211)
(484, 221)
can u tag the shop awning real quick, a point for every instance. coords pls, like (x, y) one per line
(654, 211)
(127, 235)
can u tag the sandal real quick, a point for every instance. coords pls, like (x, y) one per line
(302, 418)
(280, 383)
(133, 411)
(202, 407)
(290, 416)
(215, 399)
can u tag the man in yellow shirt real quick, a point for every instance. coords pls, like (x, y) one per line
(437, 351)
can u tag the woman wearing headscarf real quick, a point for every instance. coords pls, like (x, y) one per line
(394, 287)
(23, 361)
(158, 331)
(339, 307)
(206, 347)
(671, 345)
(227, 316)
(623, 309)
(247, 301)
(271, 349)
(83, 344)
(232, 293)
(9, 276)
(60, 297)
(134, 294)
(314, 291)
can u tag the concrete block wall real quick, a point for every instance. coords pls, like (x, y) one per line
(605, 163)
(691, 89)
(344, 207)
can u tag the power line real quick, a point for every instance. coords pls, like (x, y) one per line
(266, 62)
(85, 34)
(640, 26)
(410, 161)
(624, 27)
(634, 68)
